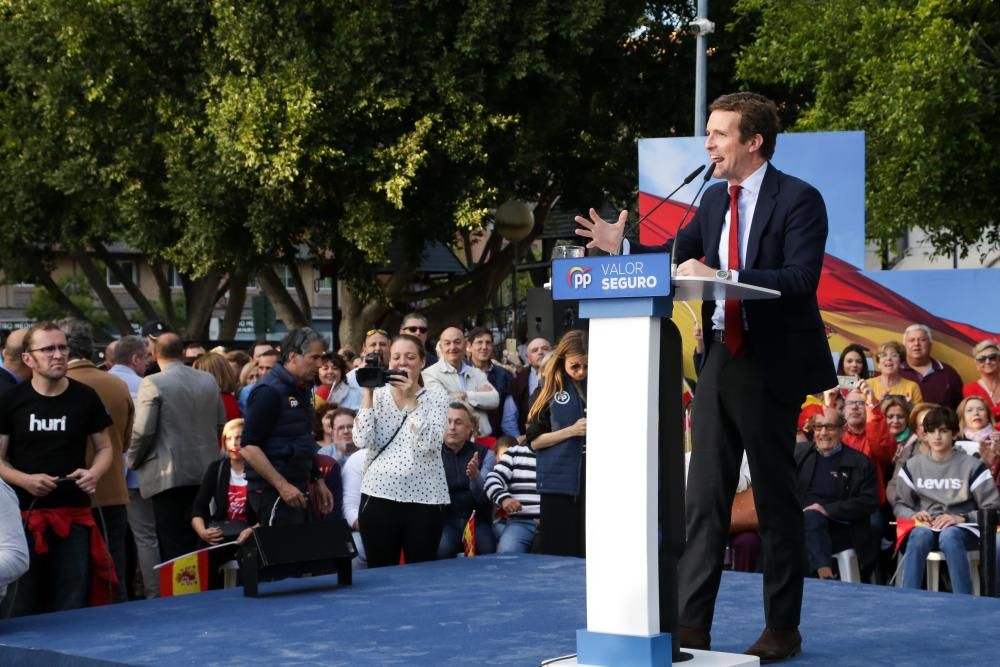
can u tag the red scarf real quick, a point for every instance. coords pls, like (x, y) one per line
(60, 520)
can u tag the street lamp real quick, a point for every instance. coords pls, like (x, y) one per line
(701, 27)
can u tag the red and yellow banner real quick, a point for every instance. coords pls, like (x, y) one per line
(184, 574)
(469, 536)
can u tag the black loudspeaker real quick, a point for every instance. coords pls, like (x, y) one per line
(279, 552)
(550, 319)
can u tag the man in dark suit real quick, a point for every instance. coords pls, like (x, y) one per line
(741, 404)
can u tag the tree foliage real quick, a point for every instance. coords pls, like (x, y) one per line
(228, 138)
(920, 77)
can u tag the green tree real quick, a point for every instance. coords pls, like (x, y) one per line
(920, 77)
(230, 138)
(43, 306)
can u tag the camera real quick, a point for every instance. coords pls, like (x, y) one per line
(373, 373)
(848, 382)
(701, 27)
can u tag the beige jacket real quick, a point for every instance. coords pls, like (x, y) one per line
(479, 393)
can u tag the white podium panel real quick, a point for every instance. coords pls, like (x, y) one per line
(622, 400)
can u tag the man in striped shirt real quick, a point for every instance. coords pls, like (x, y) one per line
(511, 487)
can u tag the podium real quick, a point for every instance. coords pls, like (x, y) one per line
(635, 457)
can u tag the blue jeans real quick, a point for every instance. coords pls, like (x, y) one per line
(56, 581)
(954, 542)
(451, 538)
(514, 536)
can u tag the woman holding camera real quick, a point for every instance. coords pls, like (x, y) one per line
(557, 429)
(401, 425)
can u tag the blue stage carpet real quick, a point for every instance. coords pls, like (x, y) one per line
(492, 610)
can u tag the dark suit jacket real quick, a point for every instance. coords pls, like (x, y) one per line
(785, 252)
(858, 499)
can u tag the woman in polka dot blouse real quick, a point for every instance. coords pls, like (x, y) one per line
(404, 488)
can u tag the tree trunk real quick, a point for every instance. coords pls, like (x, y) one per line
(148, 312)
(300, 290)
(456, 302)
(166, 294)
(284, 305)
(234, 307)
(350, 332)
(44, 279)
(200, 296)
(99, 284)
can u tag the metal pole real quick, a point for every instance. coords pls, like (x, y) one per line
(702, 28)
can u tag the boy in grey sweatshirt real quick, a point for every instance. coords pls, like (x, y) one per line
(943, 488)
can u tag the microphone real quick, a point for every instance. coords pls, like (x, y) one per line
(690, 177)
(680, 225)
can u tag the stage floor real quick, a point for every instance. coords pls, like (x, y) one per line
(489, 610)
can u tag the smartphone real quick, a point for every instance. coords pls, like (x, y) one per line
(847, 381)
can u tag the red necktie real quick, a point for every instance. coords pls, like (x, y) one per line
(734, 324)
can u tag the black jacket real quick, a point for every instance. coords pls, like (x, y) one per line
(785, 252)
(858, 494)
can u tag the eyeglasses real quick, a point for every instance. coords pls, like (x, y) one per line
(825, 427)
(50, 350)
(416, 329)
(887, 357)
(853, 403)
(983, 358)
(372, 332)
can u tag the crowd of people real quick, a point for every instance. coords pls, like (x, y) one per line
(429, 452)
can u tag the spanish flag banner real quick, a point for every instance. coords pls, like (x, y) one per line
(186, 574)
(855, 308)
(469, 536)
(903, 528)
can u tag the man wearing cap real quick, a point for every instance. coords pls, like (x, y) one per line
(278, 442)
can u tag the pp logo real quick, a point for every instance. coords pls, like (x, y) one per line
(579, 277)
(562, 397)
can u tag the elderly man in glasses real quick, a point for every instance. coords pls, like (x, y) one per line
(838, 490)
(867, 431)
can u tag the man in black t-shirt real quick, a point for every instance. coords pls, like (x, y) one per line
(45, 425)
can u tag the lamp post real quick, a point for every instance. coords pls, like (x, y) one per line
(701, 27)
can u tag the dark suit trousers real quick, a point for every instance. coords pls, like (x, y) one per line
(172, 511)
(733, 410)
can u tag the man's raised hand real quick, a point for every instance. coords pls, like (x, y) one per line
(602, 234)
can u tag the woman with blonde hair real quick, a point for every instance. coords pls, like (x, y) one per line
(987, 356)
(557, 429)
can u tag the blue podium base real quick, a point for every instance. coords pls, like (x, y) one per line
(599, 648)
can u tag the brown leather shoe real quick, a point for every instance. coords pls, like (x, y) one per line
(695, 638)
(776, 645)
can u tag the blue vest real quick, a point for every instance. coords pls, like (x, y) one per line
(291, 447)
(462, 499)
(557, 468)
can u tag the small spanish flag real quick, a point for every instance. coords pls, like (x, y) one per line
(469, 536)
(903, 528)
(184, 574)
